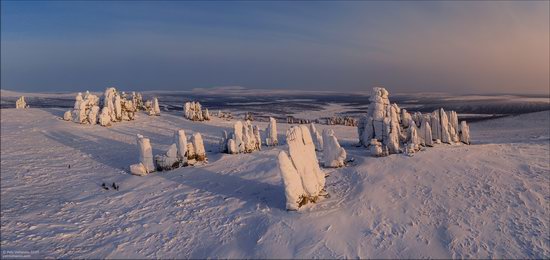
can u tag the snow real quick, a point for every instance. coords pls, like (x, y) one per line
(485, 200)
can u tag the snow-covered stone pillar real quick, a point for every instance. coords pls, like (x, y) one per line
(238, 137)
(20, 103)
(445, 135)
(145, 164)
(198, 146)
(464, 132)
(373, 124)
(118, 108)
(206, 114)
(317, 137)
(414, 141)
(426, 132)
(271, 133)
(79, 112)
(92, 115)
(181, 144)
(104, 117)
(302, 162)
(156, 109)
(258, 138)
(333, 154)
(294, 191)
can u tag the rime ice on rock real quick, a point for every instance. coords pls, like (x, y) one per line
(193, 111)
(414, 141)
(333, 154)
(115, 108)
(464, 132)
(145, 164)
(376, 148)
(181, 144)
(258, 138)
(382, 123)
(391, 127)
(317, 137)
(445, 134)
(182, 153)
(271, 132)
(294, 191)
(426, 132)
(20, 103)
(245, 138)
(169, 160)
(152, 107)
(302, 165)
(198, 147)
(68, 116)
(85, 109)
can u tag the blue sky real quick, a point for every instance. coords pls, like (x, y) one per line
(461, 47)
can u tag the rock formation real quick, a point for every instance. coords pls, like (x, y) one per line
(333, 154)
(317, 137)
(245, 138)
(303, 179)
(20, 103)
(193, 111)
(464, 132)
(114, 108)
(145, 164)
(393, 128)
(271, 132)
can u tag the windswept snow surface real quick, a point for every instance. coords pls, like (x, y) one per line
(487, 200)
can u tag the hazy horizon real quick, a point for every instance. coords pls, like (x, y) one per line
(450, 47)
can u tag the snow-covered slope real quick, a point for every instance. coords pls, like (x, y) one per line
(490, 199)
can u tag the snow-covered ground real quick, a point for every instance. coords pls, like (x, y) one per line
(490, 199)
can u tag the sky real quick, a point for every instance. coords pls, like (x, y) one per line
(452, 46)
